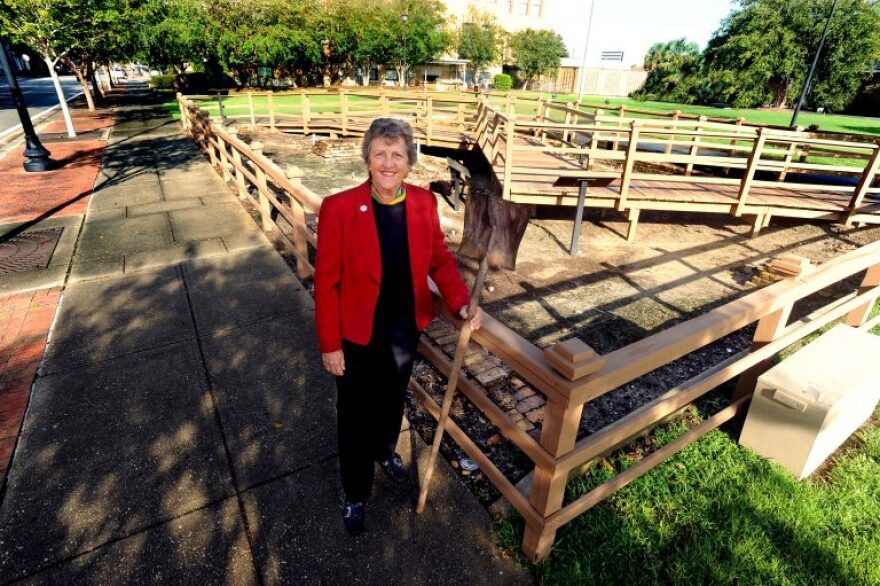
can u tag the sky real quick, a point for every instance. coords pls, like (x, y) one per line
(632, 26)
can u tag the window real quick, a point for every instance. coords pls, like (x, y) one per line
(522, 7)
(537, 8)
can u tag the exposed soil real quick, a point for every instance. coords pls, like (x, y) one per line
(612, 294)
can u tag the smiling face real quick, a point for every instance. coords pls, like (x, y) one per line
(388, 164)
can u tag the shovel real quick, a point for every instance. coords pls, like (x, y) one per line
(464, 337)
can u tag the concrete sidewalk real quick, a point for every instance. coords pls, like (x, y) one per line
(180, 428)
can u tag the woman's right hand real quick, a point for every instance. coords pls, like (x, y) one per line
(334, 362)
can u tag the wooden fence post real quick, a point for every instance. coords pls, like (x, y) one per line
(343, 108)
(206, 125)
(769, 328)
(749, 175)
(184, 113)
(304, 108)
(383, 103)
(594, 137)
(865, 182)
(262, 189)
(558, 435)
(239, 176)
(429, 119)
(271, 107)
(224, 158)
(250, 96)
(668, 148)
(789, 154)
(299, 231)
(509, 139)
(739, 123)
(695, 144)
(626, 176)
(566, 133)
(620, 112)
(860, 314)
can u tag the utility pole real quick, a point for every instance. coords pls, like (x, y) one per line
(805, 91)
(36, 155)
(586, 46)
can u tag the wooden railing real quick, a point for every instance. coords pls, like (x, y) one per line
(756, 152)
(275, 194)
(568, 374)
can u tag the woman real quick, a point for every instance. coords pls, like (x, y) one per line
(379, 244)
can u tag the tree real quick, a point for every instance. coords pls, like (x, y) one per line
(259, 33)
(762, 52)
(418, 40)
(673, 72)
(176, 32)
(478, 40)
(537, 52)
(60, 30)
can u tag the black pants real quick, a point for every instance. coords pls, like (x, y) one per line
(369, 406)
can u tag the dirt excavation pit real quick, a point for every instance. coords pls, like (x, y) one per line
(611, 294)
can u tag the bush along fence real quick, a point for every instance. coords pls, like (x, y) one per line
(569, 375)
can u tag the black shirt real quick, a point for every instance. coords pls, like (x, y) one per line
(395, 308)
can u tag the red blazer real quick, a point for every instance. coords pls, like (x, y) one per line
(348, 267)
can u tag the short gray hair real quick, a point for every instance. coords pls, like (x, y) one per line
(389, 129)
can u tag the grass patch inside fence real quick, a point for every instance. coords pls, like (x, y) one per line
(715, 513)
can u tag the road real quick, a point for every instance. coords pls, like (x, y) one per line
(39, 94)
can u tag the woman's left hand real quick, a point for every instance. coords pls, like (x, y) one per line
(476, 319)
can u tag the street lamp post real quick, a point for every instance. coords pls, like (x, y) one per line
(36, 155)
(805, 91)
(405, 18)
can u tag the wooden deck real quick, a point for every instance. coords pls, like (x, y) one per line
(538, 159)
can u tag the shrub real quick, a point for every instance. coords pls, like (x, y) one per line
(503, 82)
(162, 82)
(199, 82)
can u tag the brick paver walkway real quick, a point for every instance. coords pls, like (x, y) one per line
(25, 319)
(83, 121)
(63, 192)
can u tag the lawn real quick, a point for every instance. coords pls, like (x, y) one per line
(716, 513)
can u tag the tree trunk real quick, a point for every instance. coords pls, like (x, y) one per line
(77, 71)
(96, 86)
(487, 212)
(65, 111)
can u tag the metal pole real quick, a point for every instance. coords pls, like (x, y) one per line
(797, 108)
(36, 155)
(586, 45)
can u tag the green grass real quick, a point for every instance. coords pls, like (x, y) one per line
(715, 513)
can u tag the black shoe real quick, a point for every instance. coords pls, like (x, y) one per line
(393, 469)
(354, 515)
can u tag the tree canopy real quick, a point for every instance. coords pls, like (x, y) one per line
(537, 52)
(478, 39)
(673, 72)
(762, 51)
